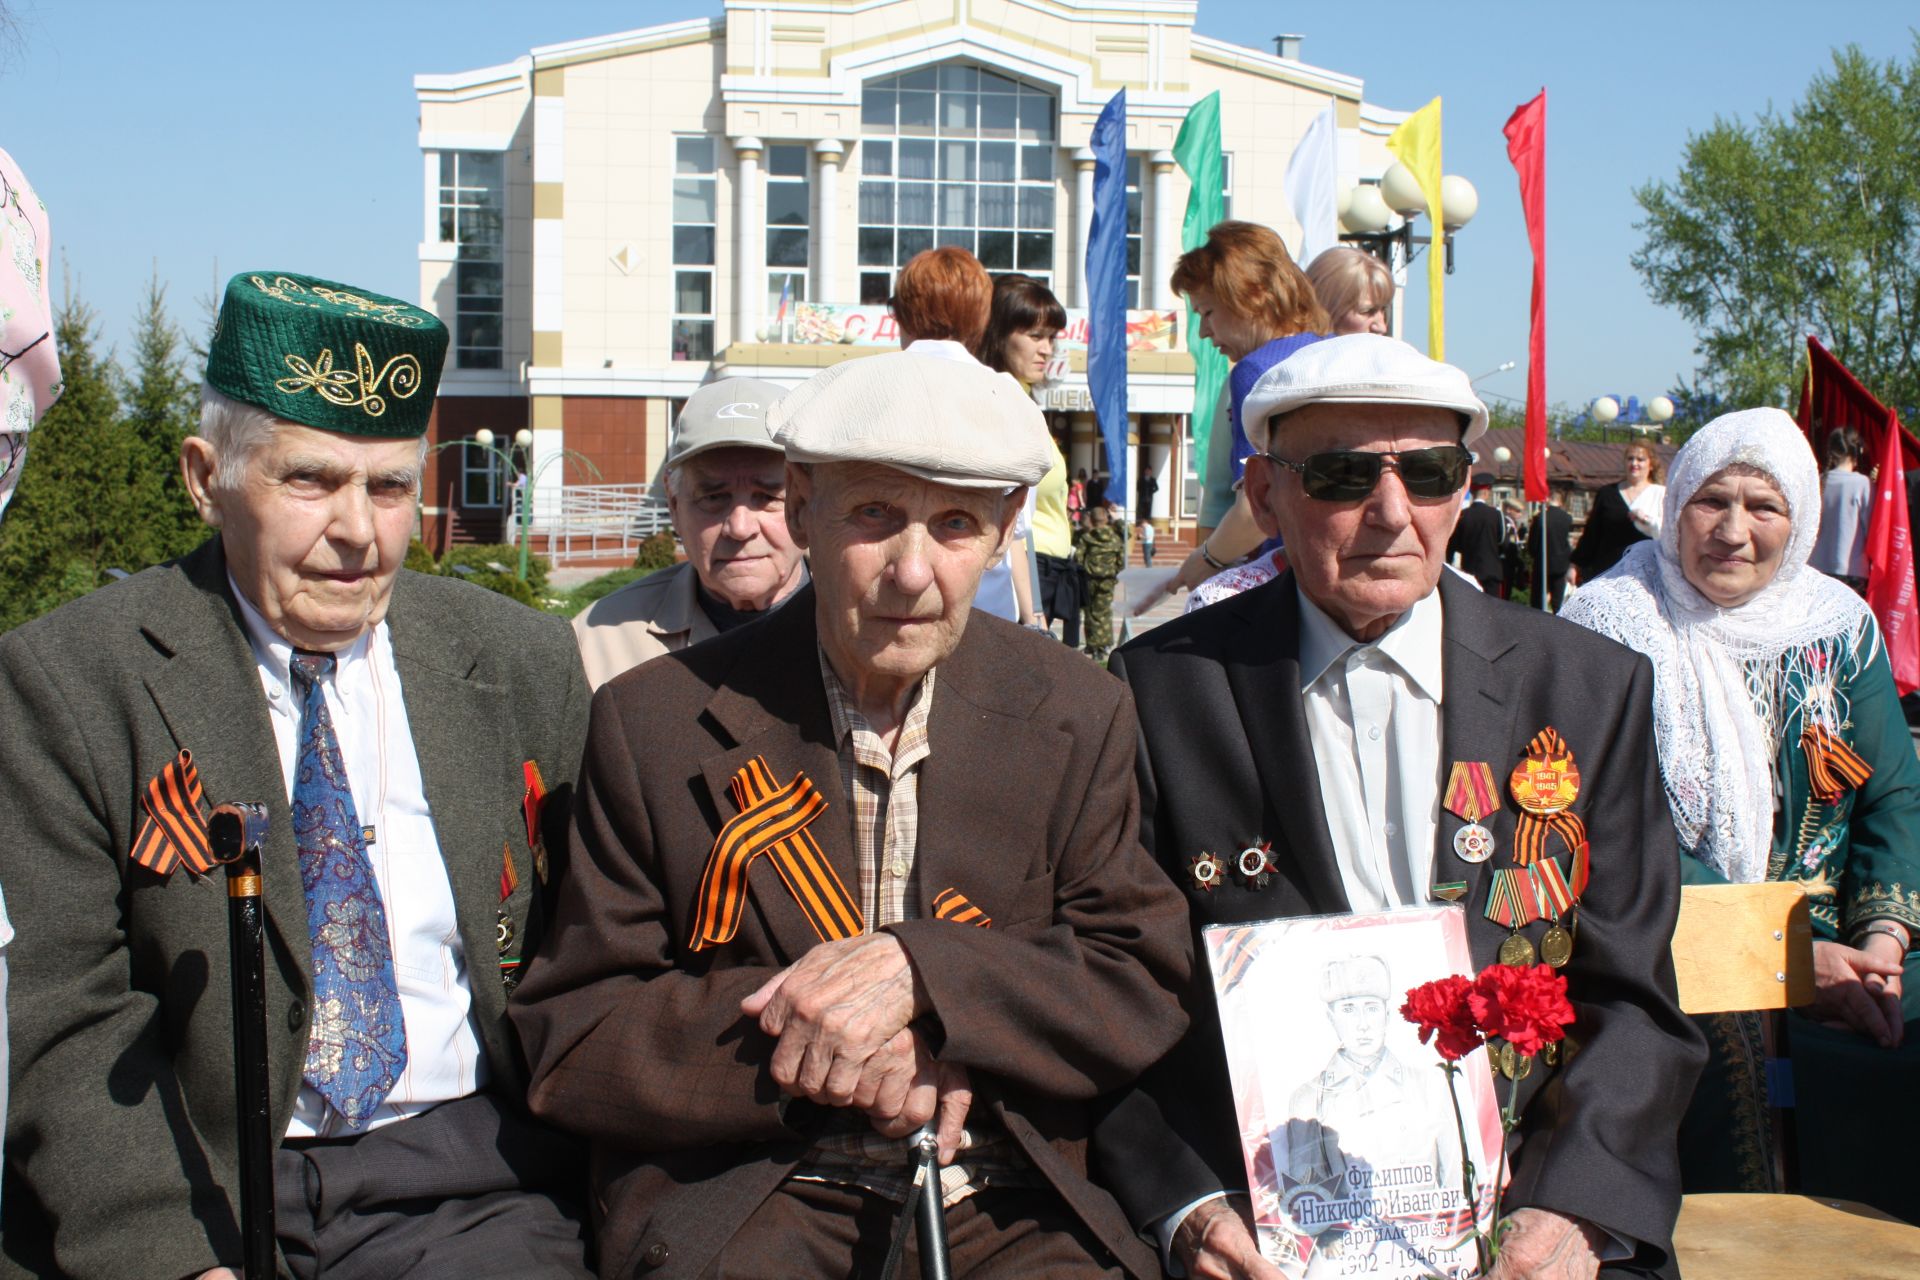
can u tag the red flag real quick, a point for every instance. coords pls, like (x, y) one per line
(1832, 397)
(1527, 147)
(1890, 586)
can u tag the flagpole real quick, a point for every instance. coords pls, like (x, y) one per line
(1544, 593)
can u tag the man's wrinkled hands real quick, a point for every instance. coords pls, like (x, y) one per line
(904, 1088)
(1215, 1242)
(1539, 1244)
(833, 1012)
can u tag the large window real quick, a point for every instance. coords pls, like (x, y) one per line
(788, 193)
(472, 213)
(483, 476)
(958, 155)
(693, 248)
(1133, 231)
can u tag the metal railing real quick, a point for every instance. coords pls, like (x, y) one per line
(589, 521)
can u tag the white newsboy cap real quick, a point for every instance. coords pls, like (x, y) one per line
(1360, 368)
(952, 422)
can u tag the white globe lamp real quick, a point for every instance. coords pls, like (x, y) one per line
(1458, 201)
(1503, 455)
(523, 438)
(484, 438)
(1367, 212)
(1605, 410)
(1402, 192)
(1659, 410)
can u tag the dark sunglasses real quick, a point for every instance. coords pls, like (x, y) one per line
(1346, 475)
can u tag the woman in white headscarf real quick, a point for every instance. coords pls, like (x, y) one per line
(1785, 757)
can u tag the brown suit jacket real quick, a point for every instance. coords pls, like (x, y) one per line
(1027, 805)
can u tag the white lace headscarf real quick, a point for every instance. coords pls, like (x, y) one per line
(1719, 673)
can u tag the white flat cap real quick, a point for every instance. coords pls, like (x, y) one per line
(1360, 368)
(950, 422)
(728, 414)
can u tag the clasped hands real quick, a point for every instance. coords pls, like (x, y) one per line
(842, 1018)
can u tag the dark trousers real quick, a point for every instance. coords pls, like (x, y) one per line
(1060, 595)
(808, 1229)
(1555, 589)
(466, 1189)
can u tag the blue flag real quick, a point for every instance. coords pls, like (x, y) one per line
(1107, 290)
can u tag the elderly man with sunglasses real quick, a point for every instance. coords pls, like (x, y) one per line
(1322, 715)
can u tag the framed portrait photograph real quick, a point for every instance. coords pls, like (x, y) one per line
(1354, 1150)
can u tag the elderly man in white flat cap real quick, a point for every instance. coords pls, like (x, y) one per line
(872, 864)
(1363, 716)
(726, 481)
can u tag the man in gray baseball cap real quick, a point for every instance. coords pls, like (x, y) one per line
(726, 491)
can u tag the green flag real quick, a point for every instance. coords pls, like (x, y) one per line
(1197, 150)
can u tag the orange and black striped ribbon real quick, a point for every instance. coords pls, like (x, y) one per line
(772, 820)
(174, 831)
(951, 904)
(509, 875)
(1530, 835)
(1833, 768)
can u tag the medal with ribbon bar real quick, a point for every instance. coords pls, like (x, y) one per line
(1513, 902)
(1545, 784)
(1471, 795)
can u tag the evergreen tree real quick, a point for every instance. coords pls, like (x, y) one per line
(162, 409)
(80, 507)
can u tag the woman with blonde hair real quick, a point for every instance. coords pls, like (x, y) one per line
(1356, 289)
(1622, 514)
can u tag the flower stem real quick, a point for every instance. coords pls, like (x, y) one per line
(1509, 1120)
(1466, 1168)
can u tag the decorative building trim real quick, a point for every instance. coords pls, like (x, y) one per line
(641, 40)
(443, 140)
(1221, 53)
(481, 82)
(674, 381)
(547, 348)
(549, 200)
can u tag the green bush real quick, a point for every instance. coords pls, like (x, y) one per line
(507, 585)
(657, 552)
(419, 559)
(572, 601)
(483, 556)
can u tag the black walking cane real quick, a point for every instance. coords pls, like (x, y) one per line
(925, 1207)
(236, 832)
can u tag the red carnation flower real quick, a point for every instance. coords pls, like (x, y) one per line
(1440, 1010)
(1524, 1005)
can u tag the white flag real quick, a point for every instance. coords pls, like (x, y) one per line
(1313, 184)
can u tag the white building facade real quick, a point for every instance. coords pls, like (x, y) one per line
(611, 222)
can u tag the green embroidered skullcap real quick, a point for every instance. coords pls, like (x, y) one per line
(327, 355)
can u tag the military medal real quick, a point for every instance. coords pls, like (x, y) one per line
(1516, 951)
(1207, 871)
(503, 931)
(532, 801)
(1470, 795)
(1556, 899)
(1255, 864)
(1514, 1065)
(1450, 890)
(1513, 900)
(1545, 784)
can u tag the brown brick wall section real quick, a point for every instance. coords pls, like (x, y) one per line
(612, 431)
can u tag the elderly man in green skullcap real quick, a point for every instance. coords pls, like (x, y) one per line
(398, 728)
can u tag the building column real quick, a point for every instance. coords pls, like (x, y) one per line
(549, 211)
(1082, 221)
(1165, 239)
(749, 240)
(828, 155)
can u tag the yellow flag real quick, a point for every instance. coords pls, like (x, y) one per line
(1417, 145)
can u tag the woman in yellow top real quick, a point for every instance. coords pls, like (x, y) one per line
(1025, 319)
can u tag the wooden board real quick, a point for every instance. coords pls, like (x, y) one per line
(1766, 1237)
(1743, 946)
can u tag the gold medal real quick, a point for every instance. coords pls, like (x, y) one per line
(503, 931)
(1516, 950)
(1546, 780)
(1514, 1065)
(1473, 843)
(1556, 948)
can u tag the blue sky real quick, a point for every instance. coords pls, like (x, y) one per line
(201, 137)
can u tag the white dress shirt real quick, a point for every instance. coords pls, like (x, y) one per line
(1373, 718)
(363, 696)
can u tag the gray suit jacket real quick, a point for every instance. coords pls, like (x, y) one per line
(121, 1155)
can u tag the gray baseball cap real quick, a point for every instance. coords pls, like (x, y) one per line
(728, 414)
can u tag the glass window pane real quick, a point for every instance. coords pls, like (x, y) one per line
(793, 284)
(693, 339)
(916, 159)
(956, 205)
(996, 206)
(957, 237)
(479, 230)
(787, 247)
(956, 161)
(920, 78)
(693, 199)
(1036, 208)
(446, 225)
(998, 115)
(1133, 213)
(875, 288)
(991, 83)
(958, 112)
(1036, 251)
(916, 113)
(787, 160)
(876, 202)
(1036, 118)
(876, 158)
(876, 110)
(787, 204)
(916, 204)
(476, 280)
(876, 246)
(912, 240)
(996, 162)
(693, 292)
(996, 250)
(693, 246)
(693, 155)
(1133, 170)
(480, 169)
(1133, 295)
(1133, 255)
(1036, 164)
(446, 169)
(959, 77)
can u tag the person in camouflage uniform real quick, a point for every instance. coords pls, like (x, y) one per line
(1101, 548)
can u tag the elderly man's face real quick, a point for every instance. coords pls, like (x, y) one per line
(1367, 561)
(316, 530)
(896, 561)
(729, 508)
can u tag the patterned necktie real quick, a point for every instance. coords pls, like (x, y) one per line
(358, 1044)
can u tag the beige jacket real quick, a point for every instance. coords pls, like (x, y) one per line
(640, 621)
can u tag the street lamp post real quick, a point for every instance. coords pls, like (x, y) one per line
(524, 477)
(1367, 212)
(1606, 409)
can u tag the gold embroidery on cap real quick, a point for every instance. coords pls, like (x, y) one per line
(359, 389)
(395, 313)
